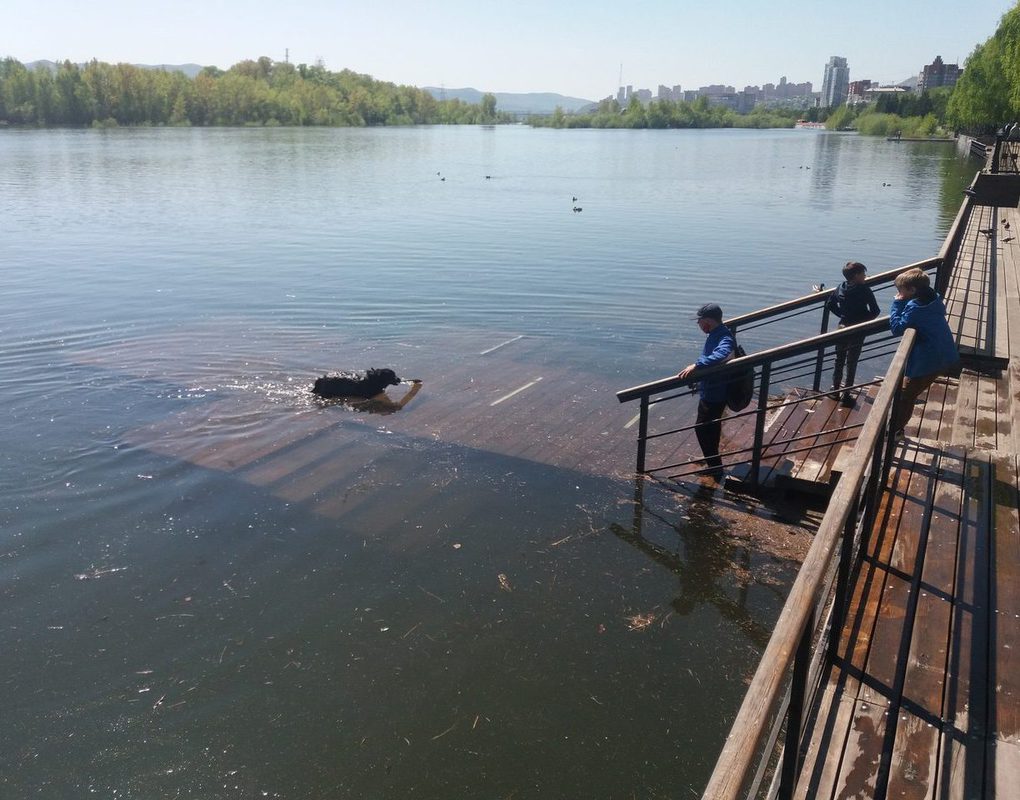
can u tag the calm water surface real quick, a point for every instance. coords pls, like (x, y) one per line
(170, 630)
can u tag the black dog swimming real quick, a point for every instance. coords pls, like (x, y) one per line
(361, 384)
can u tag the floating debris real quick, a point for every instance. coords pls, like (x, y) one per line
(504, 583)
(639, 622)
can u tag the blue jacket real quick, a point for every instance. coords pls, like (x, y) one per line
(934, 348)
(718, 347)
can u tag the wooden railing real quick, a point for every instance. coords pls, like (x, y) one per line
(787, 675)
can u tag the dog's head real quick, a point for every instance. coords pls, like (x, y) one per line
(387, 376)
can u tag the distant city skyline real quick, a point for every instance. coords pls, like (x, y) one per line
(567, 47)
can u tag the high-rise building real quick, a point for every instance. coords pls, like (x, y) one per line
(938, 74)
(835, 82)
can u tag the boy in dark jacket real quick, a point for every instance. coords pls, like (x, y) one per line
(918, 306)
(853, 302)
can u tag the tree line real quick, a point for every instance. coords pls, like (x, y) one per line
(988, 94)
(264, 92)
(252, 92)
(667, 114)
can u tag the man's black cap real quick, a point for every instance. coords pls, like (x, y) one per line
(710, 311)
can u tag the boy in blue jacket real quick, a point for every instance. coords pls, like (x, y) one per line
(917, 306)
(853, 302)
(719, 347)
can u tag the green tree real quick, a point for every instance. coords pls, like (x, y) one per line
(489, 105)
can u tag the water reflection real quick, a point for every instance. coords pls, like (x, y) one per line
(706, 558)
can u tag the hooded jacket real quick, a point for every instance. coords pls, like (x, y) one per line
(853, 303)
(934, 348)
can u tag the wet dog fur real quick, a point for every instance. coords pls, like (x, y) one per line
(362, 383)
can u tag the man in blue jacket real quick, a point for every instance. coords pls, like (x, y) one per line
(917, 306)
(718, 348)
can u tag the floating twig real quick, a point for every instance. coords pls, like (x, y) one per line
(431, 594)
(441, 735)
(411, 631)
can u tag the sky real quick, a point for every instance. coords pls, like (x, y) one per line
(572, 48)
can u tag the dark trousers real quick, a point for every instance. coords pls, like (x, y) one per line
(709, 431)
(847, 355)
(911, 389)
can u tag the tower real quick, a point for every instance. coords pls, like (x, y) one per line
(835, 82)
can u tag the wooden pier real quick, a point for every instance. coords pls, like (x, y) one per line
(923, 695)
(894, 667)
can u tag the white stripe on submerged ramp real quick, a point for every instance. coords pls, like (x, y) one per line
(528, 385)
(501, 344)
(631, 423)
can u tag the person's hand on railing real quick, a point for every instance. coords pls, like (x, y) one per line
(686, 371)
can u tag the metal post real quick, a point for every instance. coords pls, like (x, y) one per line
(795, 713)
(642, 435)
(820, 361)
(996, 154)
(841, 602)
(759, 421)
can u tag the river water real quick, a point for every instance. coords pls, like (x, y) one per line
(171, 630)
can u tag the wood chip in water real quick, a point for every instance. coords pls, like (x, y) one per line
(640, 621)
(504, 583)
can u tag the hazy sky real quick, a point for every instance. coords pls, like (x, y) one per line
(563, 46)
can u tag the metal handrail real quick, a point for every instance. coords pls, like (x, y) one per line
(822, 297)
(764, 360)
(738, 365)
(853, 505)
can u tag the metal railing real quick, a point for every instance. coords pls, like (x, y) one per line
(1005, 156)
(775, 366)
(780, 365)
(770, 366)
(787, 676)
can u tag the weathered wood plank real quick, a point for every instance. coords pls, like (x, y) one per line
(986, 427)
(869, 736)
(1004, 663)
(826, 732)
(961, 770)
(966, 409)
(914, 756)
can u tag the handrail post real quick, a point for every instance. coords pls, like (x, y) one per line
(642, 435)
(996, 153)
(841, 602)
(795, 713)
(759, 421)
(820, 361)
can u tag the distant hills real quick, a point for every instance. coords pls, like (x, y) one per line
(528, 103)
(191, 70)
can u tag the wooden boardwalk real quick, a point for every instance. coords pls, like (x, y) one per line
(923, 696)
(986, 269)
